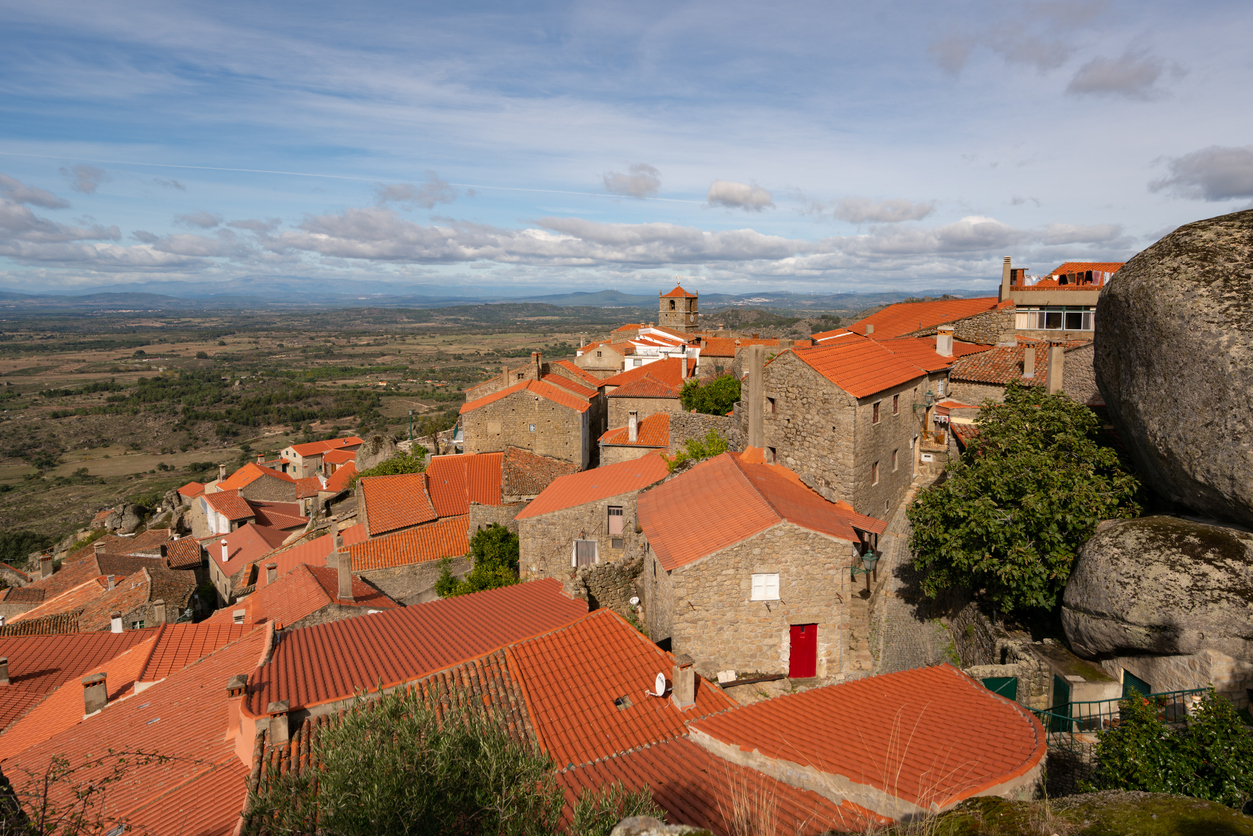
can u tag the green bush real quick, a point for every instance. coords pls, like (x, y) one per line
(597, 812)
(494, 551)
(698, 448)
(402, 463)
(718, 397)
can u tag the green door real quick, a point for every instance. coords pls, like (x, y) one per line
(1004, 686)
(1060, 721)
(1130, 680)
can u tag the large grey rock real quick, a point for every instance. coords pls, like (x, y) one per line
(374, 450)
(1162, 585)
(1174, 362)
(130, 520)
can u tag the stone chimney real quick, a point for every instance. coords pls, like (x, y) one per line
(1028, 362)
(98, 549)
(869, 328)
(537, 361)
(683, 682)
(1057, 362)
(111, 581)
(683, 364)
(944, 341)
(115, 622)
(45, 565)
(236, 686)
(95, 693)
(221, 473)
(345, 576)
(260, 458)
(158, 611)
(582, 340)
(504, 374)
(4, 670)
(756, 396)
(280, 728)
(633, 426)
(1007, 277)
(271, 573)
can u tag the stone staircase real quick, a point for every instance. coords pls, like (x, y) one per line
(860, 659)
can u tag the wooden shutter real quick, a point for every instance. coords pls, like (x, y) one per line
(615, 520)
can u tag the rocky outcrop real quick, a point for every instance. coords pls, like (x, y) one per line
(374, 450)
(1174, 361)
(130, 519)
(1162, 585)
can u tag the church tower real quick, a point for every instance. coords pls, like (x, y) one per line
(677, 311)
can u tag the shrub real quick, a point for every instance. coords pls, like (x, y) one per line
(718, 397)
(597, 812)
(696, 449)
(494, 551)
(403, 463)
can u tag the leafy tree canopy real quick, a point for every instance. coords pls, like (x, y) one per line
(495, 552)
(1010, 516)
(717, 397)
(414, 462)
(696, 449)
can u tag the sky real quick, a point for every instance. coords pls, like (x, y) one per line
(485, 148)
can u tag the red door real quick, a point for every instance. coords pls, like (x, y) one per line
(803, 659)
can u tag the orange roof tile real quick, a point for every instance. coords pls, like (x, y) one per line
(697, 788)
(183, 553)
(557, 394)
(574, 715)
(393, 502)
(447, 537)
(667, 371)
(594, 485)
(646, 386)
(678, 292)
(907, 317)
(566, 383)
(191, 490)
(244, 545)
(921, 352)
(630, 326)
(213, 801)
(575, 373)
(308, 486)
(313, 448)
(64, 622)
(894, 733)
(340, 456)
(248, 474)
(299, 593)
(1004, 363)
(727, 499)
(284, 515)
(315, 552)
(456, 481)
(69, 601)
(860, 367)
(653, 431)
(330, 662)
(1084, 266)
(230, 505)
(524, 473)
(179, 645)
(338, 481)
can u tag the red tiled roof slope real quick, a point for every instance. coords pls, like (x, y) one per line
(668, 371)
(456, 481)
(860, 367)
(599, 483)
(566, 383)
(678, 292)
(921, 352)
(432, 541)
(1084, 266)
(230, 505)
(646, 387)
(575, 373)
(313, 448)
(557, 394)
(524, 473)
(338, 481)
(653, 431)
(393, 502)
(907, 317)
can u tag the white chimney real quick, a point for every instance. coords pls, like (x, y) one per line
(111, 580)
(115, 622)
(158, 611)
(683, 364)
(280, 729)
(226, 551)
(1006, 277)
(1028, 362)
(45, 565)
(1057, 360)
(944, 341)
(633, 426)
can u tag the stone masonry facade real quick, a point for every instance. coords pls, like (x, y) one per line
(619, 408)
(526, 420)
(987, 328)
(547, 541)
(704, 608)
(482, 516)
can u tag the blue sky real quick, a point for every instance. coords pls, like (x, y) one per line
(482, 147)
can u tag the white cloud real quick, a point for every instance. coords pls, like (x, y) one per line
(734, 195)
(434, 190)
(169, 183)
(1213, 173)
(859, 210)
(201, 219)
(642, 181)
(85, 178)
(1132, 75)
(258, 226)
(19, 192)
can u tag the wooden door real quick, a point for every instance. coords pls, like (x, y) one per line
(803, 657)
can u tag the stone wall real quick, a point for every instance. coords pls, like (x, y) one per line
(601, 361)
(266, 489)
(560, 432)
(695, 425)
(975, 393)
(988, 650)
(481, 516)
(547, 540)
(987, 328)
(614, 454)
(1079, 375)
(413, 584)
(610, 585)
(712, 618)
(619, 408)
(503, 380)
(1230, 677)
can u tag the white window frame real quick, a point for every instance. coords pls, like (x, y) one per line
(574, 552)
(764, 586)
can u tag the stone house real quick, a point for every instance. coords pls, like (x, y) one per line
(987, 320)
(306, 459)
(1059, 366)
(665, 432)
(1061, 306)
(718, 354)
(747, 569)
(647, 390)
(603, 358)
(584, 519)
(536, 415)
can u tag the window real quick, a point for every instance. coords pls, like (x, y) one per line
(599, 355)
(770, 406)
(137, 625)
(765, 587)
(896, 404)
(615, 542)
(532, 428)
(672, 305)
(615, 520)
(584, 553)
(895, 458)
(874, 415)
(770, 455)
(874, 473)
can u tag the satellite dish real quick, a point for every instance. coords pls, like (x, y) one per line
(635, 601)
(659, 686)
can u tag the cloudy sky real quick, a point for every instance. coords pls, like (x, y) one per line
(808, 146)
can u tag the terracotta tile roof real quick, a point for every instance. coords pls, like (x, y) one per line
(393, 502)
(678, 292)
(726, 346)
(1004, 363)
(557, 394)
(726, 499)
(907, 317)
(524, 473)
(299, 593)
(6, 567)
(646, 386)
(860, 367)
(230, 505)
(308, 486)
(653, 431)
(39, 664)
(184, 716)
(667, 371)
(183, 553)
(573, 711)
(191, 490)
(893, 732)
(920, 351)
(630, 326)
(63, 622)
(248, 474)
(329, 662)
(456, 481)
(134, 591)
(67, 602)
(588, 378)
(313, 448)
(699, 789)
(313, 552)
(594, 485)
(1084, 266)
(447, 537)
(146, 541)
(340, 456)
(566, 383)
(179, 645)
(964, 432)
(338, 481)
(284, 515)
(244, 545)
(23, 594)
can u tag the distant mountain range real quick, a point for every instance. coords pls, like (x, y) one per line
(286, 292)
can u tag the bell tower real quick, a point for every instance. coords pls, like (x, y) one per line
(677, 310)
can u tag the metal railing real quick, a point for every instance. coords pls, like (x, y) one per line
(1076, 724)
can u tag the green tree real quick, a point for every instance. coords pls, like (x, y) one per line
(695, 449)
(718, 397)
(1009, 517)
(16, 546)
(494, 551)
(414, 462)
